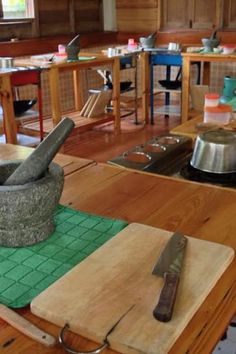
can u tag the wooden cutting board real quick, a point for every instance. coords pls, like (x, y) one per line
(95, 294)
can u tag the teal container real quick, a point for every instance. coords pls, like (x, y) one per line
(229, 92)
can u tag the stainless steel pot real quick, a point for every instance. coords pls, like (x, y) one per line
(215, 152)
(6, 62)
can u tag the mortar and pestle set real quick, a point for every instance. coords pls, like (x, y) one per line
(148, 42)
(210, 43)
(30, 191)
(73, 48)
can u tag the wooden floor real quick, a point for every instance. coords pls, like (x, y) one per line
(101, 144)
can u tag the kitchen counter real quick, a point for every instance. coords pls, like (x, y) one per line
(189, 127)
(202, 211)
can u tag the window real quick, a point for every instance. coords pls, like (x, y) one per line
(13, 9)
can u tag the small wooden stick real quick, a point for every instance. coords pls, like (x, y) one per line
(24, 326)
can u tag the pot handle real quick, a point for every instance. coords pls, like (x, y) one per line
(71, 351)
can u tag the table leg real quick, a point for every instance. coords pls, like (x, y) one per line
(9, 122)
(206, 73)
(116, 93)
(55, 94)
(145, 82)
(77, 78)
(151, 92)
(185, 89)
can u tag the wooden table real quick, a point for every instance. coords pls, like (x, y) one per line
(84, 123)
(206, 59)
(69, 163)
(202, 211)
(75, 67)
(54, 70)
(188, 128)
(9, 123)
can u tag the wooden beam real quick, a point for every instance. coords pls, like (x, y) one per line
(34, 10)
(72, 15)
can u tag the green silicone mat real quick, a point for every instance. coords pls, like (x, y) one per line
(26, 271)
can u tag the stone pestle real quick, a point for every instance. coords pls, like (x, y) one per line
(35, 166)
(73, 48)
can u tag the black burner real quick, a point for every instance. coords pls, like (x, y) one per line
(222, 179)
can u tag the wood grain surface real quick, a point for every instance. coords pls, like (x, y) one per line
(202, 211)
(69, 163)
(97, 292)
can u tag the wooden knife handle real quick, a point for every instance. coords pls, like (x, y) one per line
(164, 309)
(26, 327)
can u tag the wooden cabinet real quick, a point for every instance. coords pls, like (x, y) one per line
(196, 14)
(137, 16)
(203, 14)
(175, 14)
(229, 14)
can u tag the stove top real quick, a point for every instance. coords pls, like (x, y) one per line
(170, 155)
(193, 174)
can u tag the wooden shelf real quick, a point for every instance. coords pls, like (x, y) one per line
(169, 109)
(23, 139)
(160, 90)
(81, 123)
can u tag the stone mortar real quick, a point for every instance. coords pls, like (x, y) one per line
(26, 211)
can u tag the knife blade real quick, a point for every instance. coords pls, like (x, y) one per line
(169, 266)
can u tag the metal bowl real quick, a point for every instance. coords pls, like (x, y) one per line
(215, 151)
(154, 146)
(170, 84)
(22, 106)
(137, 157)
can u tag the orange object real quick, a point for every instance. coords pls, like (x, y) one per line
(221, 108)
(220, 114)
(212, 96)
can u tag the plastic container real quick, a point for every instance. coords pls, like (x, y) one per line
(61, 48)
(211, 99)
(218, 115)
(6, 62)
(229, 48)
(132, 45)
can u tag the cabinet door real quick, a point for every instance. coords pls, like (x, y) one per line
(175, 14)
(230, 14)
(204, 14)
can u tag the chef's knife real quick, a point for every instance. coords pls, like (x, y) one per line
(169, 266)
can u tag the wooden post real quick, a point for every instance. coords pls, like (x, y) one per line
(72, 15)
(116, 93)
(33, 11)
(207, 73)
(145, 83)
(53, 74)
(78, 92)
(185, 88)
(9, 123)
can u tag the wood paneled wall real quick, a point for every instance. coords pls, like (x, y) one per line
(88, 15)
(137, 16)
(57, 17)
(53, 17)
(70, 16)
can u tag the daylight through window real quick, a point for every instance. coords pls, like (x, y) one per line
(14, 8)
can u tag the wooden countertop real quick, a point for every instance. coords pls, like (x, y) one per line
(189, 127)
(202, 211)
(69, 163)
